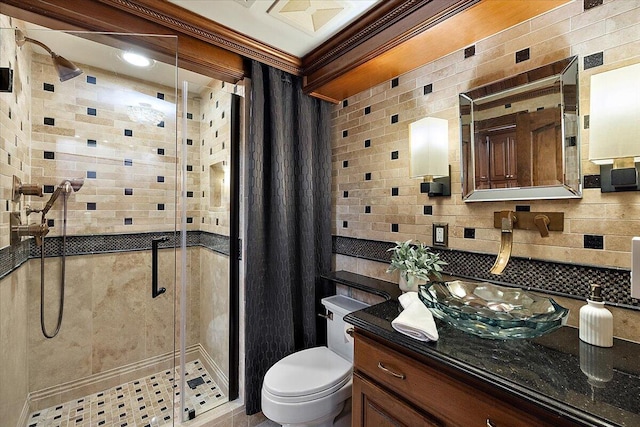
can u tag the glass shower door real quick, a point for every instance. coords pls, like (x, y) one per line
(206, 229)
(101, 146)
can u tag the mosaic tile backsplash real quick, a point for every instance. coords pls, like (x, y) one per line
(571, 280)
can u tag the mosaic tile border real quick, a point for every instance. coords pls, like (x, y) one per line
(12, 257)
(568, 280)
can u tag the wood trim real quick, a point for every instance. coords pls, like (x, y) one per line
(373, 22)
(383, 29)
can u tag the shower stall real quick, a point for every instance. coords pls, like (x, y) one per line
(118, 294)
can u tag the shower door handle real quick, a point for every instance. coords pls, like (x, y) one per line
(154, 266)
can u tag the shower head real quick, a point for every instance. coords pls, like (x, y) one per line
(66, 69)
(76, 183)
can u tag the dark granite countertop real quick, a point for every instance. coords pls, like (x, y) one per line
(547, 370)
(382, 288)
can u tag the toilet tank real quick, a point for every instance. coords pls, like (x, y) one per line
(337, 339)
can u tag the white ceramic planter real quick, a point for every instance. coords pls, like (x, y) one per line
(410, 283)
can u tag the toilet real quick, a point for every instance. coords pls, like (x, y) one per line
(310, 387)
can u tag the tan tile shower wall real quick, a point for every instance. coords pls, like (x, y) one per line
(215, 134)
(15, 139)
(213, 320)
(14, 369)
(15, 129)
(119, 161)
(612, 28)
(110, 319)
(194, 177)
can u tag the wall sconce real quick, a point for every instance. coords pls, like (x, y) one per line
(429, 148)
(614, 128)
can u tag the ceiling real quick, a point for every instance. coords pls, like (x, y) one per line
(292, 26)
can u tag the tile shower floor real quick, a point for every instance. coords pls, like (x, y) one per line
(143, 402)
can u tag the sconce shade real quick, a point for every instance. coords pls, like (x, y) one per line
(429, 148)
(614, 124)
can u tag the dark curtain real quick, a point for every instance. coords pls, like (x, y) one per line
(288, 221)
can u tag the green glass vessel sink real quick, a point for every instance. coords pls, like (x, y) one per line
(491, 311)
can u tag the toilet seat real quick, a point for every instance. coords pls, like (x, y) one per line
(307, 375)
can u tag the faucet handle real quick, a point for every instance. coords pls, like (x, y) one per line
(542, 222)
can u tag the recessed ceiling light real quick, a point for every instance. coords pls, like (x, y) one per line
(137, 59)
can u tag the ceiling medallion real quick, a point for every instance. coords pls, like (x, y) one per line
(309, 16)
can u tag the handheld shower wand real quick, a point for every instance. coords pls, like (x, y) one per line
(65, 188)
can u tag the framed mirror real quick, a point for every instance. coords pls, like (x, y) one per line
(519, 136)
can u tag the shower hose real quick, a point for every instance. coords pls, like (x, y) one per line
(64, 253)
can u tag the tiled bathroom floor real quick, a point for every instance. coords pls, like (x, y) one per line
(143, 402)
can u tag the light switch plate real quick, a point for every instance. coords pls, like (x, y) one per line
(440, 234)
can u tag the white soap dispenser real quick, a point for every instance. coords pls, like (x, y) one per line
(596, 322)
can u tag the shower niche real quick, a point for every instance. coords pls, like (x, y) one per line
(216, 184)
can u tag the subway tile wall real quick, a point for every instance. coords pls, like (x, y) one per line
(129, 166)
(15, 140)
(374, 198)
(215, 133)
(114, 132)
(15, 129)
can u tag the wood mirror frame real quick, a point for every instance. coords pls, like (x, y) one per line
(520, 137)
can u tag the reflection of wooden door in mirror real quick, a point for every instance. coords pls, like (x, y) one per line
(496, 165)
(502, 159)
(482, 163)
(543, 132)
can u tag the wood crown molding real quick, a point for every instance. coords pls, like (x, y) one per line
(392, 13)
(386, 27)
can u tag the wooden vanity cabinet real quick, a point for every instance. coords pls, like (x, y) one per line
(393, 386)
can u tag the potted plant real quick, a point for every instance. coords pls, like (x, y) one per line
(417, 264)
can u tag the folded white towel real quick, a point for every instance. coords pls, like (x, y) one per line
(415, 320)
(409, 298)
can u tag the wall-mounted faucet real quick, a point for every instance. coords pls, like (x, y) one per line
(507, 221)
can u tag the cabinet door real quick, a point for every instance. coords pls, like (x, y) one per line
(374, 407)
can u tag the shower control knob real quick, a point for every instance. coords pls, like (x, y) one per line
(31, 190)
(36, 230)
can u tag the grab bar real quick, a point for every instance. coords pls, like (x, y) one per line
(154, 266)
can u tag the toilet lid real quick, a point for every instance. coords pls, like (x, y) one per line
(315, 371)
